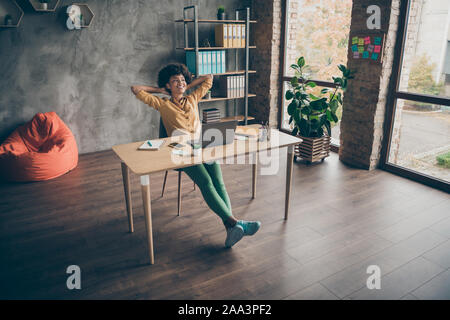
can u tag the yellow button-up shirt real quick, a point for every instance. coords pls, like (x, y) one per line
(182, 116)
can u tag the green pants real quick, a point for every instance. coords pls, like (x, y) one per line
(208, 177)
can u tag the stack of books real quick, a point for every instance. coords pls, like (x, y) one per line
(230, 35)
(211, 115)
(208, 62)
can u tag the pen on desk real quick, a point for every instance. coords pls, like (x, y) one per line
(149, 143)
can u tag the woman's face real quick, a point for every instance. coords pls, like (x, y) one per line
(177, 84)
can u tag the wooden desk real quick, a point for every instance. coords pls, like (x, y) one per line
(143, 163)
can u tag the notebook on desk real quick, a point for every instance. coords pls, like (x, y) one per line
(152, 145)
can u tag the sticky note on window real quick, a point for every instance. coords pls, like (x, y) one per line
(360, 49)
(361, 41)
(365, 54)
(367, 40)
(377, 41)
(355, 55)
(377, 49)
(370, 47)
(355, 40)
(354, 48)
(374, 56)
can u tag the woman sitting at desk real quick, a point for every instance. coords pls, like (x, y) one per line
(180, 113)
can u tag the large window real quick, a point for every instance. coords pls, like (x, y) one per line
(419, 131)
(319, 31)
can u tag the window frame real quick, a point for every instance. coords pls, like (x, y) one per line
(284, 78)
(394, 95)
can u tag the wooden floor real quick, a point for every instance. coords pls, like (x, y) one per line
(341, 221)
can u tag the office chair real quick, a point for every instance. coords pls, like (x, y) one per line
(163, 134)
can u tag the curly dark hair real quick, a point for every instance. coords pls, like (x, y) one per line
(173, 69)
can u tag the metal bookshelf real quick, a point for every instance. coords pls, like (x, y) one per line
(196, 21)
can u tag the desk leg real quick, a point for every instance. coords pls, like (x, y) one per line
(290, 160)
(126, 187)
(254, 174)
(145, 187)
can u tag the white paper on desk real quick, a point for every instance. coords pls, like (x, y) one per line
(156, 144)
(239, 137)
(180, 152)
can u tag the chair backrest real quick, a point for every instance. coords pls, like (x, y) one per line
(162, 129)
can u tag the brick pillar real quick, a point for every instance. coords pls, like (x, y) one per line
(365, 100)
(266, 60)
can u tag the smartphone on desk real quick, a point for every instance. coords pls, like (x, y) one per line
(176, 145)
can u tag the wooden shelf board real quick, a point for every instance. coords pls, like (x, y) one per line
(233, 72)
(215, 21)
(215, 48)
(238, 118)
(224, 98)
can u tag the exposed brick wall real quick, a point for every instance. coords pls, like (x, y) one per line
(266, 60)
(365, 100)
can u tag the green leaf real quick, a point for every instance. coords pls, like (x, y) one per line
(294, 81)
(342, 68)
(297, 115)
(292, 106)
(315, 124)
(320, 132)
(289, 95)
(311, 84)
(338, 81)
(295, 131)
(301, 62)
(305, 128)
(334, 105)
(324, 90)
(335, 118)
(328, 126)
(290, 119)
(339, 97)
(306, 111)
(329, 116)
(313, 97)
(319, 105)
(294, 66)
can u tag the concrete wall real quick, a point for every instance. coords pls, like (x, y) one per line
(85, 76)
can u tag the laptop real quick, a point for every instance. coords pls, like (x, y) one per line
(216, 134)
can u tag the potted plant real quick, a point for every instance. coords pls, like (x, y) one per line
(208, 95)
(221, 13)
(313, 114)
(8, 20)
(44, 4)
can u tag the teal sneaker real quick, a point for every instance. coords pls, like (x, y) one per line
(234, 235)
(250, 227)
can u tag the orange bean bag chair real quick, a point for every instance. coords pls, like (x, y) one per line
(41, 149)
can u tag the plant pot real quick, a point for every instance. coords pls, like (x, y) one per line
(313, 149)
(221, 16)
(44, 6)
(208, 96)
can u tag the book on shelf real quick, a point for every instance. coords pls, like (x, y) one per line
(232, 86)
(208, 62)
(221, 35)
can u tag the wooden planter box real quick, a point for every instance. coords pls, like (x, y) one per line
(313, 149)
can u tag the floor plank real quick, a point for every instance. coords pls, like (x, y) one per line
(341, 219)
